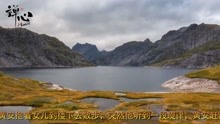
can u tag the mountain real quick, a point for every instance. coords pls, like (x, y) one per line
(90, 51)
(124, 55)
(194, 46)
(20, 47)
(128, 54)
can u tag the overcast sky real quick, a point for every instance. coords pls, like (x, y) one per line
(110, 23)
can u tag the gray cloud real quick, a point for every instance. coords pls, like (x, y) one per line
(109, 23)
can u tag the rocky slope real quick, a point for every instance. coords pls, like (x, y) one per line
(20, 47)
(195, 46)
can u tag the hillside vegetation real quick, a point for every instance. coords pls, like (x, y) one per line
(212, 73)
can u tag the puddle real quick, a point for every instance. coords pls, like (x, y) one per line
(102, 103)
(144, 99)
(157, 109)
(14, 109)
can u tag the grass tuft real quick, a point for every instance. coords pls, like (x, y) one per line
(212, 73)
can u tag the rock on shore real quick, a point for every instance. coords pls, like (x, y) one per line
(52, 86)
(183, 83)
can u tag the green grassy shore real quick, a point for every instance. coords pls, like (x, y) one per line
(212, 73)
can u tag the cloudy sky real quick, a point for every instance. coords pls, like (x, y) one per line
(110, 23)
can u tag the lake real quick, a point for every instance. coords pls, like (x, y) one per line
(143, 79)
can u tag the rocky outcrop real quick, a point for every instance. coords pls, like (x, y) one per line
(20, 47)
(52, 86)
(185, 84)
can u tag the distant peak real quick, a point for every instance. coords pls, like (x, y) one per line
(192, 27)
(91, 45)
(78, 44)
(147, 40)
(85, 44)
(194, 24)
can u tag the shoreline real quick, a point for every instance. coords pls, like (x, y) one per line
(174, 89)
(48, 67)
(57, 67)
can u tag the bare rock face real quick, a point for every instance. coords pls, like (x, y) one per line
(198, 60)
(183, 83)
(202, 60)
(20, 47)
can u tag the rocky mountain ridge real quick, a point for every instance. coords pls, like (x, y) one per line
(194, 46)
(20, 47)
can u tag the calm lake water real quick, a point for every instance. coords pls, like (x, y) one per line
(146, 79)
